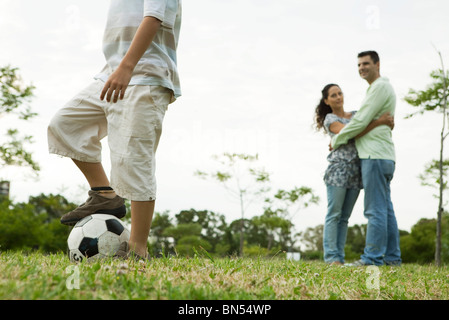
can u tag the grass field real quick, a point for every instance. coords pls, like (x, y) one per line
(38, 276)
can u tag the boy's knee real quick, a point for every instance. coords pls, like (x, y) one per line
(55, 122)
(59, 123)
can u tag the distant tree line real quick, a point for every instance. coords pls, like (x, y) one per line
(191, 230)
(35, 225)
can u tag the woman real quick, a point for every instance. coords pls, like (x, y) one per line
(342, 177)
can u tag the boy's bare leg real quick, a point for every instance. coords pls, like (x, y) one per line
(141, 217)
(141, 211)
(95, 175)
(102, 199)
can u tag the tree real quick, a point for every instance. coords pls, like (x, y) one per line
(159, 242)
(242, 181)
(55, 206)
(432, 175)
(419, 245)
(312, 238)
(286, 204)
(194, 229)
(20, 228)
(213, 225)
(14, 96)
(435, 99)
(273, 224)
(187, 237)
(355, 241)
(34, 225)
(253, 235)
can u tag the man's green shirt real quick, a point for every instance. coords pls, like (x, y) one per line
(378, 143)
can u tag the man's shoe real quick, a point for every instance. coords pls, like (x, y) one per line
(96, 203)
(393, 263)
(358, 263)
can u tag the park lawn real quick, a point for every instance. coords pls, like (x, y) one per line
(53, 277)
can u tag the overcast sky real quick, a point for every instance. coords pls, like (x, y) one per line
(252, 73)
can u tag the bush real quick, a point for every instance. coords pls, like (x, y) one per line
(28, 226)
(187, 245)
(312, 255)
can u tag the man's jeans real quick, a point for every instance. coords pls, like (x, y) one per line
(340, 202)
(382, 235)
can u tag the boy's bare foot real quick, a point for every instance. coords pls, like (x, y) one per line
(125, 253)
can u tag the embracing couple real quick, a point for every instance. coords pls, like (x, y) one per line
(362, 156)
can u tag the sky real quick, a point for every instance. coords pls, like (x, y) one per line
(252, 72)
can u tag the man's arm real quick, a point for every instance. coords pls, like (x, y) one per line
(384, 119)
(118, 81)
(371, 107)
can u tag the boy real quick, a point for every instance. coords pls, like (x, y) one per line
(127, 102)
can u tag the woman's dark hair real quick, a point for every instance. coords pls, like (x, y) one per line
(323, 109)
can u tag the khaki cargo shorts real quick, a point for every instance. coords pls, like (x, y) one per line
(133, 126)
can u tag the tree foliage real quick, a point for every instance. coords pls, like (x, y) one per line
(14, 94)
(13, 153)
(431, 175)
(430, 99)
(248, 183)
(14, 98)
(242, 181)
(419, 245)
(34, 224)
(434, 98)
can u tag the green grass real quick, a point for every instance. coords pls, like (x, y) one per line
(38, 276)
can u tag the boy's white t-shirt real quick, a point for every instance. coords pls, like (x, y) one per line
(158, 65)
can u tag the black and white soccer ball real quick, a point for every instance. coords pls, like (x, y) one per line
(95, 237)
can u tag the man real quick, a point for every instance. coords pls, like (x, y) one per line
(377, 157)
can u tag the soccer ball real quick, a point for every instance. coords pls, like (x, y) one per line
(95, 237)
